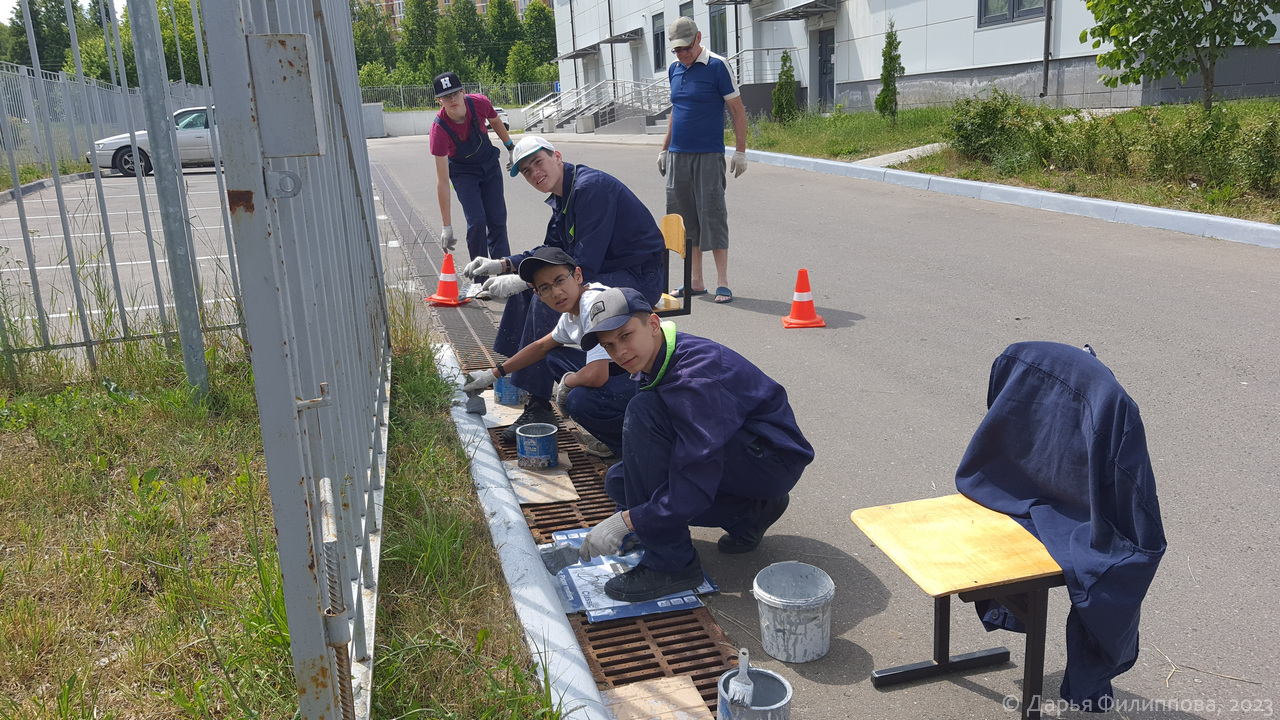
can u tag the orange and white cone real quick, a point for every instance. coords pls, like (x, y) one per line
(447, 290)
(803, 314)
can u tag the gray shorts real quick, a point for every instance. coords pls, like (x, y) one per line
(695, 191)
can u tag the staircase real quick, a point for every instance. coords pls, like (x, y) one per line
(605, 102)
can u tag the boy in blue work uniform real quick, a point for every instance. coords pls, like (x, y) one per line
(602, 225)
(465, 157)
(709, 440)
(588, 390)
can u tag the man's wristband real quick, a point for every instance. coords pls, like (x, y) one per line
(499, 372)
(509, 145)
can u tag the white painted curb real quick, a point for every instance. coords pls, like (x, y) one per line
(546, 628)
(1200, 224)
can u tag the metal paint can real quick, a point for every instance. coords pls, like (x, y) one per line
(504, 393)
(536, 446)
(794, 600)
(770, 698)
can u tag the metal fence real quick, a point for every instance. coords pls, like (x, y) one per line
(422, 97)
(305, 227)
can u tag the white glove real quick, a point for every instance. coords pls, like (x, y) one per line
(605, 538)
(510, 159)
(502, 287)
(662, 163)
(738, 164)
(447, 240)
(480, 381)
(560, 394)
(481, 266)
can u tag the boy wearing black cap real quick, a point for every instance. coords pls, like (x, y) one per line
(586, 390)
(709, 440)
(466, 159)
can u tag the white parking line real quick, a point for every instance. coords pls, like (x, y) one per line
(135, 308)
(43, 268)
(114, 233)
(98, 214)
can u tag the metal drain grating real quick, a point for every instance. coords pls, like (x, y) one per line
(688, 642)
(587, 474)
(471, 332)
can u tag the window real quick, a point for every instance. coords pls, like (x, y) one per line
(194, 120)
(659, 43)
(720, 30)
(686, 9)
(994, 12)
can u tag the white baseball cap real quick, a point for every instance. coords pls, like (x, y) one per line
(682, 32)
(528, 145)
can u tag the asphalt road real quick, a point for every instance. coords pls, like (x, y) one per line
(921, 292)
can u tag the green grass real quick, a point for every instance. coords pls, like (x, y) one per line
(31, 172)
(847, 136)
(1130, 149)
(138, 570)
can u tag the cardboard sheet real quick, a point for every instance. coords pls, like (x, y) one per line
(534, 487)
(499, 414)
(668, 698)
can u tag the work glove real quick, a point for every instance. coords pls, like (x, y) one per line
(502, 287)
(738, 164)
(560, 394)
(480, 381)
(481, 266)
(605, 538)
(511, 149)
(447, 240)
(662, 163)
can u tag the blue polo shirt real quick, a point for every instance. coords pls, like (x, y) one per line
(698, 96)
(601, 224)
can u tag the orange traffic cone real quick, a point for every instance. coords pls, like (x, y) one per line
(447, 290)
(803, 314)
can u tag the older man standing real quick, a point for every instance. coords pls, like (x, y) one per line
(692, 157)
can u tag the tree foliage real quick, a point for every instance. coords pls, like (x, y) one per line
(540, 31)
(522, 66)
(418, 33)
(784, 93)
(448, 54)
(503, 28)
(890, 70)
(49, 25)
(1154, 38)
(371, 30)
(469, 26)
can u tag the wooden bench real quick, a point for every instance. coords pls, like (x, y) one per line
(953, 546)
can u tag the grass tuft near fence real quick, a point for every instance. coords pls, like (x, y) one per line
(138, 569)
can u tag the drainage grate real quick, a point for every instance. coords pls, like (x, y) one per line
(587, 474)
(688, 642)
(471, 331)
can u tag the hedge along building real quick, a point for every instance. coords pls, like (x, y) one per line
(950, 48)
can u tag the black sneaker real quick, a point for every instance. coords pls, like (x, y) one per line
(745, 543)
(535, 411)
(643, 583)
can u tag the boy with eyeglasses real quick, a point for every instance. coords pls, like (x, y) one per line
(587, 391)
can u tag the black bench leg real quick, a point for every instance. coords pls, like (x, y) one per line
(942, 662)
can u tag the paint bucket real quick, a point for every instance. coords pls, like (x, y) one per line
(504, 393)
(794, 600)
(770, 697)
(536, 446)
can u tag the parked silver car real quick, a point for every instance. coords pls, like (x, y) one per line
(195, 144)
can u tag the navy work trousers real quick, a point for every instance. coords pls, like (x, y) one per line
(526, 319)
(479, 188)
(754, 474)
(599, 410)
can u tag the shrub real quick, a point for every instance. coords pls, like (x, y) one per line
(1257, 158)
(890, 70)
(784, 93)
(1196, 148)
(982, 126)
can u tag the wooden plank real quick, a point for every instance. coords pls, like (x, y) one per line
(951, 544)
(668, 698)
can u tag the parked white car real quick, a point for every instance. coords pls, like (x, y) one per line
(195, 144)
(502, 115)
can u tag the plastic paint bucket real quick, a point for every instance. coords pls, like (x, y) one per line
(536, 446)
(794, 600)
(770, 697)
(504, 393)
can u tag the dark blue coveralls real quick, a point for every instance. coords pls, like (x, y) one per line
(612, 236)
(477, 177)
(709, 441)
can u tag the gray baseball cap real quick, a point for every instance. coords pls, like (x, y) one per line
(611, 311)
(681, 32)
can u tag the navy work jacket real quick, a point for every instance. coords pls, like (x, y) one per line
(601, 224)
(711, 393)
(1063, 451)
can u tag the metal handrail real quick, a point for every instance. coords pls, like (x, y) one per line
(650, 98)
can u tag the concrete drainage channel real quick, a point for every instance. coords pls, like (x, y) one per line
(581, 658)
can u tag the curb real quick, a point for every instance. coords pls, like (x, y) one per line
(546, 628)
(38, 185)
(1191, 223)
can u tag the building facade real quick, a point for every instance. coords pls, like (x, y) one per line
(950, 48)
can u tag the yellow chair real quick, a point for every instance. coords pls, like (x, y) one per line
(677, 242)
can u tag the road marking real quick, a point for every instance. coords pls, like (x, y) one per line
(135, 308)
(98, 214)
(114, 233)
(45, 268)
